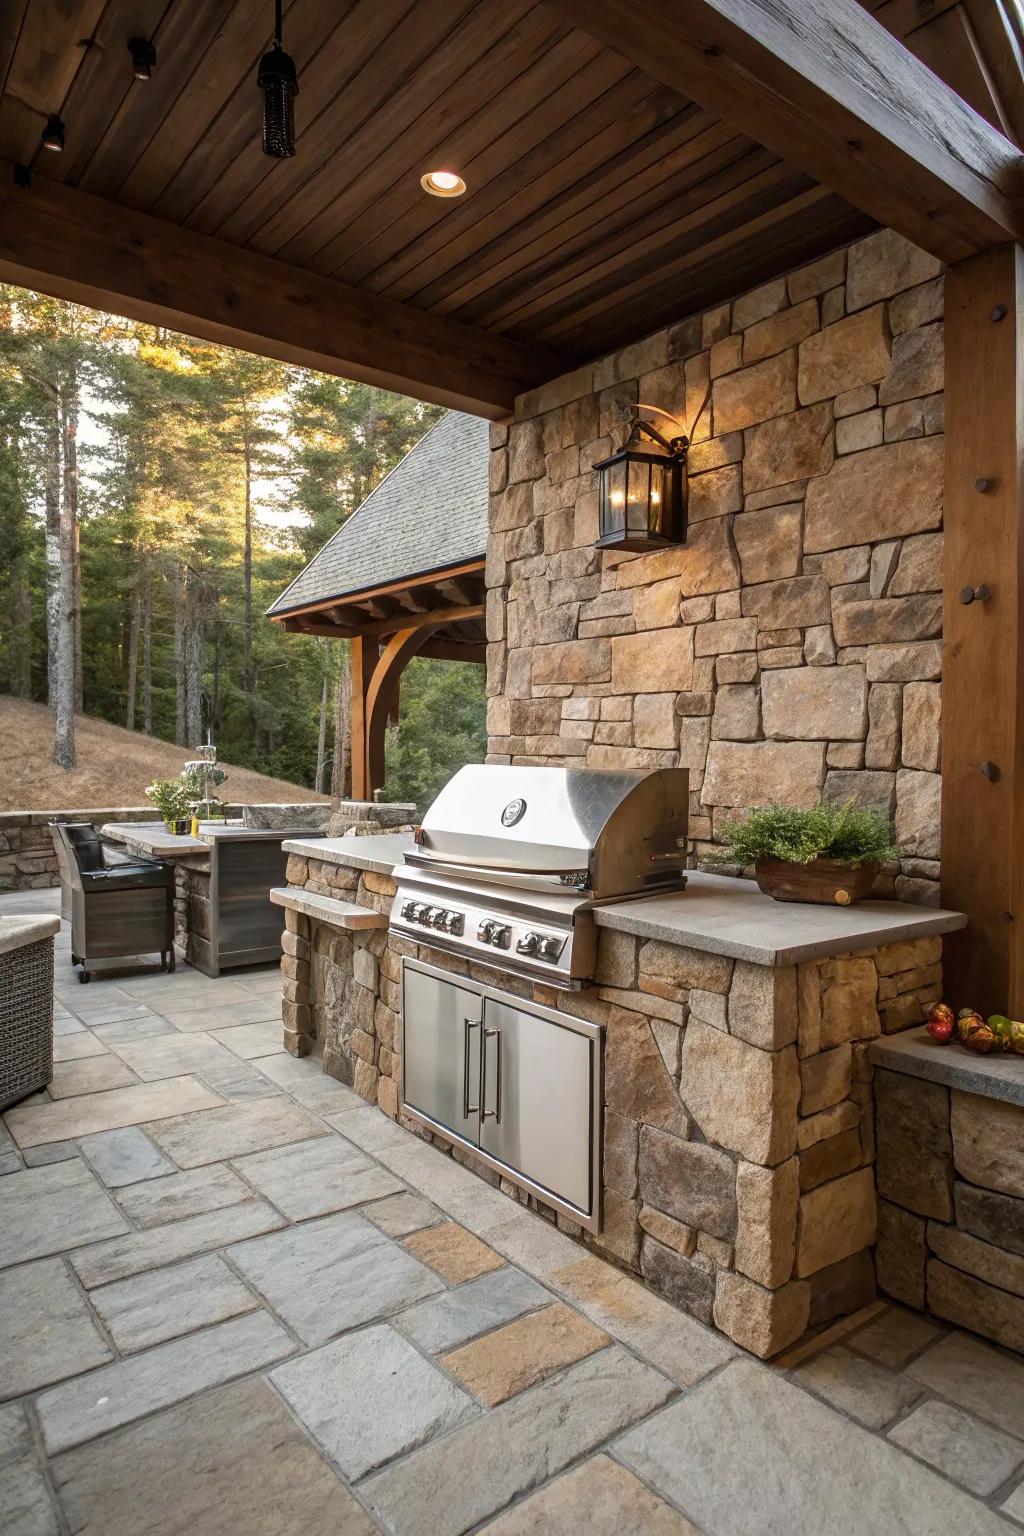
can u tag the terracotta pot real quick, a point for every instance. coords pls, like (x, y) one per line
(825, 881)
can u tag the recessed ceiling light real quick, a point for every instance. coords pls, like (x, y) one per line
(443, 184)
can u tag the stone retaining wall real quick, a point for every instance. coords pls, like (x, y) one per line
(790, 651)
(950, 1212)
(738, 1123)
(27, 857)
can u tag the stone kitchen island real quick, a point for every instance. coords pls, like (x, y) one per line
(738, 1126)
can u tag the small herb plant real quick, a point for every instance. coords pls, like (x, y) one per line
(843, 833)
(171, 798)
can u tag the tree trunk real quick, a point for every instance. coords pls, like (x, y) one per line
(193, 661)
(248, 674)
(147, 657)
(69, 412)
(20, 619)
(64, 704)
(51, 496)
(131, 687)
(179, 655)
(342, 726)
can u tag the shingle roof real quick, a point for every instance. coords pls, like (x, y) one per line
(428, 513)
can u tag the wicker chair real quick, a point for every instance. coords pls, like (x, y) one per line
(116, 907)
(26, 1008)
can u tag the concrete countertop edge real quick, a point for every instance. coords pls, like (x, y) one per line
(19, 929)
(735, 930)
(914, 1054)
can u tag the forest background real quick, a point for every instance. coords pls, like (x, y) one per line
(156, 494)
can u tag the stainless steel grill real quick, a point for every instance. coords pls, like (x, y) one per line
(510, 862)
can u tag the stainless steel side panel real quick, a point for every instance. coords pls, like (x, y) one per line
(537, 1096)
(442, 1050)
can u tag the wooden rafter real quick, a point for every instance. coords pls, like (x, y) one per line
(828, 88)
(76, 246)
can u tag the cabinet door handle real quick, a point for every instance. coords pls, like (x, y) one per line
(467, 1108)
(495, 1113)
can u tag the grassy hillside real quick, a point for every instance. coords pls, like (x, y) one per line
(114, 766)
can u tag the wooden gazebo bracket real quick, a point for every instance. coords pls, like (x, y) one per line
(440, 615)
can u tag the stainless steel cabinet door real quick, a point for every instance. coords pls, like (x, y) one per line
(538, 1100)
(441, 1024)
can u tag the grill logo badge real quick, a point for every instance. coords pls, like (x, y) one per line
(513, 812)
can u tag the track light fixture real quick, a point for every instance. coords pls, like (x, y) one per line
(143, 57)
(53, 134)
(278, 80)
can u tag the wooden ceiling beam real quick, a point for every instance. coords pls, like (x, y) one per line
(76, 246)
(830, 90)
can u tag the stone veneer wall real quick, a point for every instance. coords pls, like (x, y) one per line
(738, 1124)
(27, 857)
(790, 650)
(950, 1212)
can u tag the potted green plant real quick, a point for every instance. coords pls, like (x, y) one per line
(827, 853)
(172, 800)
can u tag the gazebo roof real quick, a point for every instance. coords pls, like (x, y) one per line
(428, 514)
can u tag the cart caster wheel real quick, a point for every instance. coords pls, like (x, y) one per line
(83, 977)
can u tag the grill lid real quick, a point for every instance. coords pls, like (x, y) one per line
(608, 830)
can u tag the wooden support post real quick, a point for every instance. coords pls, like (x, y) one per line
(983, 655)
(365, 654)
(375, 680)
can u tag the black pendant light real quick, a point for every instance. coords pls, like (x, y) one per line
(143, 57)
(279, 82)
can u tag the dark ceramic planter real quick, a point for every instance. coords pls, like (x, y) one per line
(824, 881)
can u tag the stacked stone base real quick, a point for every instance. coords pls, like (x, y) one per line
(738, 1117)
(951, 1212)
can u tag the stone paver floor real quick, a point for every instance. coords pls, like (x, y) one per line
(236, 1299)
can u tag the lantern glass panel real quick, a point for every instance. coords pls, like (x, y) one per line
(659, 498)
(639, 493)
(616, 491)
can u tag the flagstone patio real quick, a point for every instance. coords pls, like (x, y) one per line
(234, 1297)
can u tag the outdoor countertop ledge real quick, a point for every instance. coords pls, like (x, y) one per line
(916, 1054)
(16, 931)
(716, 913)
(380, 854)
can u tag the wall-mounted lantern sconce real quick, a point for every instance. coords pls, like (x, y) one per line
(642, 489)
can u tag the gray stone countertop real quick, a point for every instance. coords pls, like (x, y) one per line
(153, 838)
(20, 929)
(716, 913)
(726, 916)
(380, 853)
(915, 1053)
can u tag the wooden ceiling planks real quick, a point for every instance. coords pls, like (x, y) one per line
(561, 77)
(587, 144)
(49, 47)
(477, 58)
(602, 201)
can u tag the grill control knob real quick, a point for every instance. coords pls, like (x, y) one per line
(527, 945)
(549, 948)
(454, 922)
(408, 907)
(436, 917)
(500, 935)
